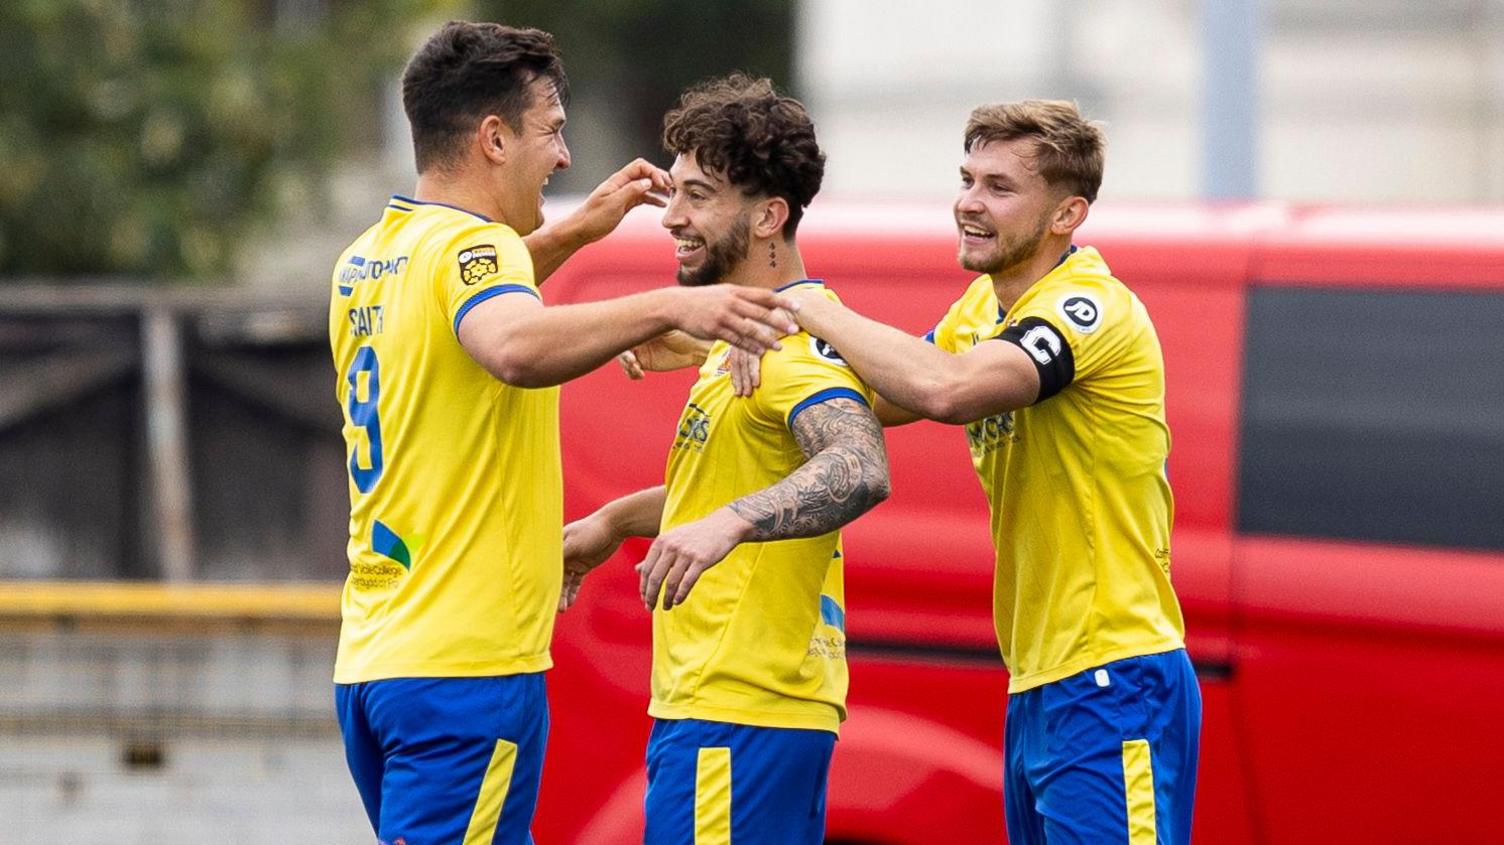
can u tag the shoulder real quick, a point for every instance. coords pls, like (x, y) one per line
(1084, 300)
(803, 352)
(978, 296)
(975, 309)
(476, 250)
(478, 237)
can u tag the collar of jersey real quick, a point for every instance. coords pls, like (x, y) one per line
(1064, 257)
(410, 201)
(816, 282)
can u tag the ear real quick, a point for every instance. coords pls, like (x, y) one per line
(769, 216)
(1069, 214)
(493, 138)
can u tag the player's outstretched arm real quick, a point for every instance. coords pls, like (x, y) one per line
(523, 343)
(590, 541)
(914, 374)
(639, 183)
(845, 476)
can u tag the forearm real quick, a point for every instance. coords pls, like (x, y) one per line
(637, 514)
(552, 345)
(553, 244)
(907, 371)
(891, 415)
(830, 490)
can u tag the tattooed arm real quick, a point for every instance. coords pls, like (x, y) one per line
(845, 475)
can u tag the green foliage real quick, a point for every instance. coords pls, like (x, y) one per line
(644, 52)
(149, 136)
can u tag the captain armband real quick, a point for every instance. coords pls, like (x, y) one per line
(1048, 350)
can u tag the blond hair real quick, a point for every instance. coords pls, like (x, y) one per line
(1068, 148)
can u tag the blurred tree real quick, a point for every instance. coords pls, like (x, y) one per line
(148, 136)
(639, 54)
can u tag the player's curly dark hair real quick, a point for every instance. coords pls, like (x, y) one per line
(467, 71)
(759, 140)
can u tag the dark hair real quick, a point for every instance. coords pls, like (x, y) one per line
(758, 139)
(1068, 147)
(467, 71)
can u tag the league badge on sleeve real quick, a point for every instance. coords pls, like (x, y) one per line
(1082, 311)
(477, 262)
(826, 351)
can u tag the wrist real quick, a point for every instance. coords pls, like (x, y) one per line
(572, 232)
(665, 307)
(613, 520)
(814, 314)
(733, 524)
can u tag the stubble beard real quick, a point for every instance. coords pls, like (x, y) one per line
(721, 256)
(1008, 254)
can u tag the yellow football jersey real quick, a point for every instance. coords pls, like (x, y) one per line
(1081, 506)
(456, 494)
(761, 639)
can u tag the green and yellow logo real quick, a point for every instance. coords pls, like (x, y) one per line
(387, 543)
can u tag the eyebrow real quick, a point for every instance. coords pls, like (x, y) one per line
(698, 183)
(998, 178)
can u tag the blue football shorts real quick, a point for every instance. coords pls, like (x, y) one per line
(712, 783)
(1107, 755)
(446, 760)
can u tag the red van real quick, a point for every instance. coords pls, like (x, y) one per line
(1336, 401)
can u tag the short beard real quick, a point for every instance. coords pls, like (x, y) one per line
(721, 257)
(1008, 255)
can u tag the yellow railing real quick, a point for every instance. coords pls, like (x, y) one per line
(86, 602)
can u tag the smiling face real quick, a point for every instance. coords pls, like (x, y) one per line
(533, 152)
(1005, 206)
(710, 220)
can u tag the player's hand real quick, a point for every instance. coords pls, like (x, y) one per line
(673, 350)
(747, 318)
(679, 557)
(639, 183)
(746, 368)
(588, 543)
(811, 305)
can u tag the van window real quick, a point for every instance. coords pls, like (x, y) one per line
(1374, 415)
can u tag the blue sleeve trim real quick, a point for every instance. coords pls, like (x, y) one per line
(825, 396)
(929, 336)
(489, 293)
(816, 282)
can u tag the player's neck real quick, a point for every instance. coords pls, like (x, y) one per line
(770, 264)
(458, 191)
(1010, 283)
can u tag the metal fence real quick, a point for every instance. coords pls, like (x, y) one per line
(167, 434)
(160, 448)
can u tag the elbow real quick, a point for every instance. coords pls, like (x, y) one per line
(956, 402)
(511, 357)
(943, 402)
(946, 410)
(517, 368)
(877, 484)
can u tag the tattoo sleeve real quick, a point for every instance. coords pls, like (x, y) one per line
(845, 475)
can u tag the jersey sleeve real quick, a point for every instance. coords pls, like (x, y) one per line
(943, 335)
(806, 372)
(479, 264)
(1072, 335)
